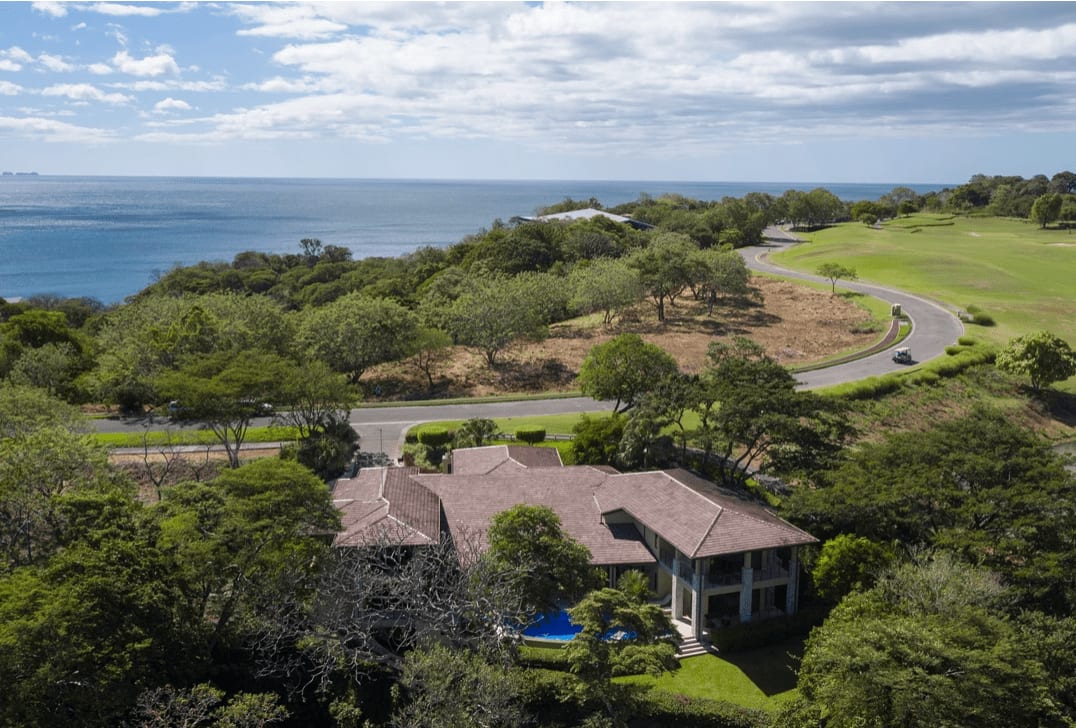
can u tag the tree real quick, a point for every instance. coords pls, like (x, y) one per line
(82, 633)
(225, 393)
(720, 273)
(597, 439)
(924, 648)
(354, 333)
(238, 541)
(835, 272)
(495, 313)
(664, 268)
(312, 396)
(1041, 355)
(752, 415)
(475, 432)
(446, 688)
(848, 563)
(980, 486)
(554, 567)
(431, 349)
(623, 368)
(604, 285)
(1046, 209)
(620, 634)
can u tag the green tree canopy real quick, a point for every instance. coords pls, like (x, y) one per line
(354, 332)
(924, 648)
(1040, 355)
(1046, 209)
(622, 369)
(665, 268)
(835, 272)
(554, 568)
(979, 485)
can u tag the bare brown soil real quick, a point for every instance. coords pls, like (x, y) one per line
(796, 325)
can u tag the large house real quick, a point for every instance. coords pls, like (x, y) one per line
(715, 557)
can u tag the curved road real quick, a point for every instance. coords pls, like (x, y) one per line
(382, 428)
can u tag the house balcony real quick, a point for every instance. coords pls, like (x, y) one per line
(775, 571)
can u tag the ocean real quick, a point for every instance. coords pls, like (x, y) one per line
(108, 237)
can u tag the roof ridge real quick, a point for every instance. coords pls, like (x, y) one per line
(707, 532)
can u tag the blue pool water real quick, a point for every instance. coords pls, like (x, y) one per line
(553, 626)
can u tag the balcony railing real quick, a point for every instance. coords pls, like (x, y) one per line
(714, 581)
(775, 571)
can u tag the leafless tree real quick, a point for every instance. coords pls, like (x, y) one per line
(365, 607)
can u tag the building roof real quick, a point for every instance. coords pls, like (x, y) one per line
(385, 504)
(504, 458)
(585, 214)
(692, 514)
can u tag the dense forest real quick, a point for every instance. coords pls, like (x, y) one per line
(942, 594)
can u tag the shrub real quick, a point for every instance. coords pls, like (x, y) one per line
(434, 436)
(869, 388)
(550, 658)
(967, 341)
(982, 319)
(530, 434)
(972, 309)
(657, 708)
(954, 350)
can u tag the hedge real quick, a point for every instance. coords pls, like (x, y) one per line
(659, 709)
(532, 434)
(750, 635)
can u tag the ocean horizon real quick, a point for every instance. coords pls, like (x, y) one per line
(109, 237)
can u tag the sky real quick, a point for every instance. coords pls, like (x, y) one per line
(834, 92)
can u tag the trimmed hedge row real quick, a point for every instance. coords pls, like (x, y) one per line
(659, 709)
(531, 434)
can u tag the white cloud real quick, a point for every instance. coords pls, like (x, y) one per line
(171, 104)
(18, 54)
(9, 89)
(216, 84)
(123, 9)
(286, 21)
(51, 130)
(84, 92)
(99, 69)
(79, 26)
(55, 9)
(54, 63)
(157, 65)
(6, 65)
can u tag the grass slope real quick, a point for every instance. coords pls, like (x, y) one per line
(762, 678)
(1021, 275)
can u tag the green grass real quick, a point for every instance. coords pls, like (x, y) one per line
(761, 678)
(553, 424)
(472, 400)
(158, 438)
(1011, 269)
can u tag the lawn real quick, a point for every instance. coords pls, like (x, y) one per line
(1019, 274)
(164, 438)
(762, 678)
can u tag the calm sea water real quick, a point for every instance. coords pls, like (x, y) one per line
(107, 237)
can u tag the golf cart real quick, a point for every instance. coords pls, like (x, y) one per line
(903, 355)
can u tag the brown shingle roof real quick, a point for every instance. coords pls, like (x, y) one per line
(384, 504)
(504, 458)
(694, 515)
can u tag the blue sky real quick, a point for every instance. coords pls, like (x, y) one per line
(832, 92)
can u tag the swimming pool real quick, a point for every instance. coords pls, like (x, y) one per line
(553, 626)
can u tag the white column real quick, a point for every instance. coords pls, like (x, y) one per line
(746, 583)
(677, 596)
(697, 617)
(792, 595)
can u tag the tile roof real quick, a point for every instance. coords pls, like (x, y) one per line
(384, 504)
(504, 458)
(694, 515)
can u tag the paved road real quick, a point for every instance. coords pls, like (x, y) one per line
(933, 326)
(382, 428)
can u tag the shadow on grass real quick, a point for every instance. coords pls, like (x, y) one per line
(772, 668)
(1060, 405)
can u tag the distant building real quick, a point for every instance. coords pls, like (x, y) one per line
(715, 557)
(587, 214)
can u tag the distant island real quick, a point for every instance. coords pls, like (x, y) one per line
(18, 174)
